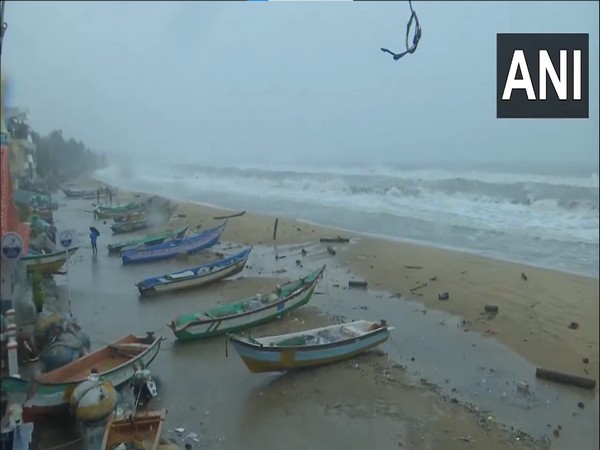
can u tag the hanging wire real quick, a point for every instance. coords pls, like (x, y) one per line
(416, 37)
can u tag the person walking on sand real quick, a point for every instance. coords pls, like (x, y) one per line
(94, 233)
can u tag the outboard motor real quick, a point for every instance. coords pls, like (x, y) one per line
(144, 387)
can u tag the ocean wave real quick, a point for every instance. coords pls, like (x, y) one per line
(567, 213)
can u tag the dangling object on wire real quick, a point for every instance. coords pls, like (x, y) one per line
(415, 41)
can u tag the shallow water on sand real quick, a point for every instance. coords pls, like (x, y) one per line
(230, 408)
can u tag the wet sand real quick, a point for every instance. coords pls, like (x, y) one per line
(434, 382)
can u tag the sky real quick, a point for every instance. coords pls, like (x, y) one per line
(288, 82)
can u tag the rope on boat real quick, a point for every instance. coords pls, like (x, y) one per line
(75, 441)
(416, 37)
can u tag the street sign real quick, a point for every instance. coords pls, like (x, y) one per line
(66, 239)
(12, 247)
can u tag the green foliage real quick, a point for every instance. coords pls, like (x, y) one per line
(59, 159)
(38, 291)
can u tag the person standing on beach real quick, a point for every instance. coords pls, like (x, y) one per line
(94, 233)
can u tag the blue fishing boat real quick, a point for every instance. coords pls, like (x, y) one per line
(196, 276)
(171, 249)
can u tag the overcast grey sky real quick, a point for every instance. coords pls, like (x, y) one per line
(289, 81)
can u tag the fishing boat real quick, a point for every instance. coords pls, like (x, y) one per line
(196, 276)
(247, 313)
(108, 212)
(115, 363)
(151, 239)
(141, 430)
(171, 249)
(133, 215)
(130, 226)
(154, 215)
(309, 348)
(47, 263)
(80, 193)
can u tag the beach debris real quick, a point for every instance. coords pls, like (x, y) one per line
(229, 216)
(419, 286)
(524, 276)
(353, 283)
(331, 250)
(443, 295)
(523, 388)
(413, 267)
(304, 252)
(299, 263)
(573, 325)
(275, 228)
(580, 405)
(179, 430)
(280, 257)
(491, 331)
(192, 436)
(336, 240)
(491, 309)
(433, 278)
(564, 378)
(280, 271)
(466, 438)
(586, 360)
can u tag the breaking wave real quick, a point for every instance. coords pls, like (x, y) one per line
(535, 206)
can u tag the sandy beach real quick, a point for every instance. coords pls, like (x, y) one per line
(447, 378)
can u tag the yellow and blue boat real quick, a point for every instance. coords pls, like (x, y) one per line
(316, 347)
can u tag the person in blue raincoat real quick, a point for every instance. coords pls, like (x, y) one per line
(94, 234)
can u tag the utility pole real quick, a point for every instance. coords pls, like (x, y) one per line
(3, 26)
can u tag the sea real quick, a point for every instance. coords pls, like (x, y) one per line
(545, 216)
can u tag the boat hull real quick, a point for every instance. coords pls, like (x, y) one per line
(46, 398)
(51, 263)
(172, 249)
(148, 240)
(217, 327)
(195, 282)
(273, 359)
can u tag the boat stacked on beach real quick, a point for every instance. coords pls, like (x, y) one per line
(171, 249)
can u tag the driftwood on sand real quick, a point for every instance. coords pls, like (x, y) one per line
(229, 216)
(362, 284)
(337, 240)
(275, 229)
(420, 286)
(331, 250)
(565, 378)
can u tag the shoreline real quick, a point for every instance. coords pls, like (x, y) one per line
(370, 235)
(534, 314)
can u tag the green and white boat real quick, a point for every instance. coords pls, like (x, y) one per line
(247, 313)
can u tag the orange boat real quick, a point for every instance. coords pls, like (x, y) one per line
(140, 431)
